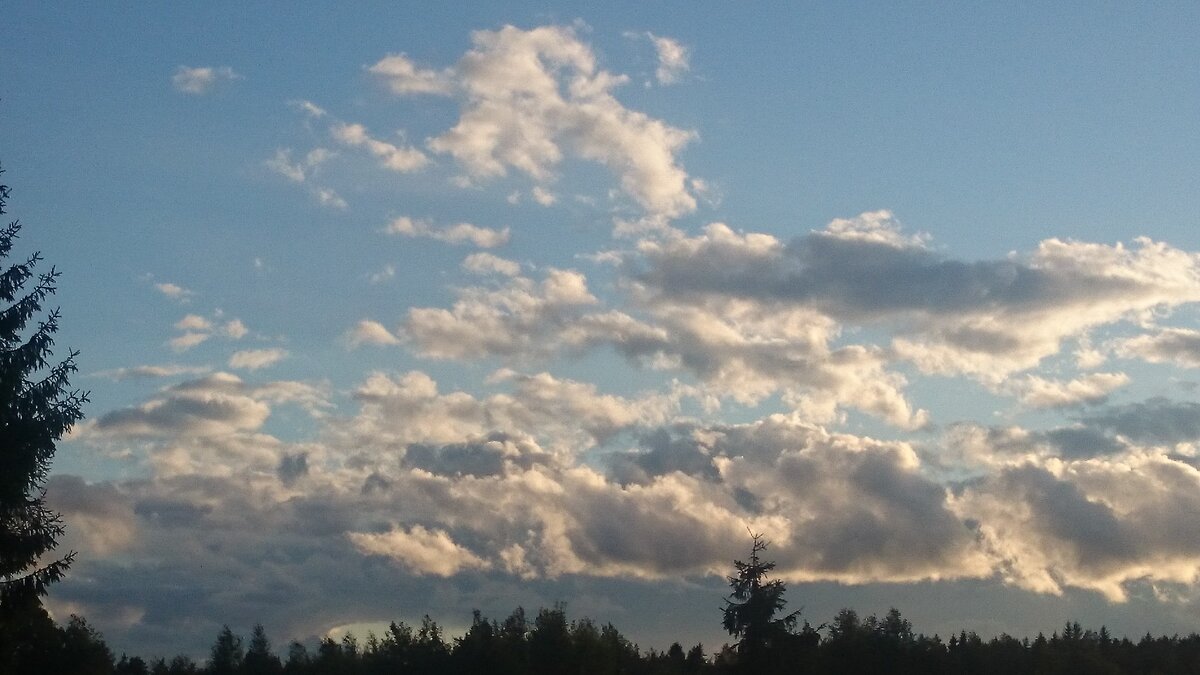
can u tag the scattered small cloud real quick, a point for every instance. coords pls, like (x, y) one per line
(151, 372)
(403, 77)
(386, 274)
(396, 158)
(461, 233)
(673, 59)
(486, 263)
(255, 359)
(196, 330)
(174, 291)
(201, 80)
(329, 197)
(368, 332)
(309, 108)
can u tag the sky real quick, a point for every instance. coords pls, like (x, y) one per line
(388, 311)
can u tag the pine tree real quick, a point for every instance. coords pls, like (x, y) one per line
(37, 407)
(751, 607)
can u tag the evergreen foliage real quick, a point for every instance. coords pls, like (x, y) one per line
(37, 407)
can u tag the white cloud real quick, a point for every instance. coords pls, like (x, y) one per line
(386, 274)
(174, 291)
(182, 343)
(1090, 524)
(420, 550)
(404, 77)
(148, 371)
(197, 329)
(370, 333)
(460, 233)
(299, 170)
(1180, 346)
(486, 263)
(987, 318)
(212, 406)
(532, 98)
(543, 196)
(330, 198)
(520, 317)
(672, 59)
(254, 359)
(234, 329)
(193, 322)
(201, 80)
(396, 158)
(309, 108)
(1039, 392)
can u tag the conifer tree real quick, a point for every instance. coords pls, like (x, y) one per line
(751, 608)
(37, 407)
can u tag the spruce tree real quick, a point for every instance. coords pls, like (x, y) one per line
(37, 406)
(751, 608)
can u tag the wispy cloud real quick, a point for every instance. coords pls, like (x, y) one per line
(459, 233)
(201, 80)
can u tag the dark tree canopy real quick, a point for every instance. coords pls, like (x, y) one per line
(753, 603)
(37, 406)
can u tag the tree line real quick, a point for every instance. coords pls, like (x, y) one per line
(548, 643)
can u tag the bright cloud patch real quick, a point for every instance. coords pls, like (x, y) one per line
(403, 159)
(201, 80)
(532, 98)
(672, 59)
(254, 359)
(460, 233)
(420, 550)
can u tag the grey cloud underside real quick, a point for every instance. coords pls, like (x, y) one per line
(245, 524)
(858, 279)
(854, 279)
(1155, 421)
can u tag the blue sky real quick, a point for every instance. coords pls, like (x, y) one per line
(388, 312)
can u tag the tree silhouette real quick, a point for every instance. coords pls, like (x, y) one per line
(259, 659)
(751, 608)
(36, 408)
(227, 655)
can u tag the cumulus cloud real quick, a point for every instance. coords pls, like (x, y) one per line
(195, 330)
(393, 157)
(201, 80)
(1170, 345)
(513, 318)
(460, 233)
(100, 516)
(486, 263)
(420, 550)
(673, 59)
(254, 359)
(742, 350)
(562, 415)
(1039, 392)
(368, 332)
(174, 291)
(1156, 421)
(210, 406)
(403, 77)
(532, 98)
(1090, 524)
(986, 319)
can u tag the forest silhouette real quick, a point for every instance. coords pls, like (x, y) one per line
(765, 641)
